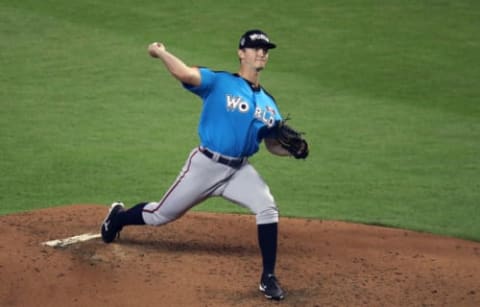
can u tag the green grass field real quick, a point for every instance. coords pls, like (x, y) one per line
(387, 91)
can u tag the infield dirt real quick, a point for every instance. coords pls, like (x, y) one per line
(206, 259)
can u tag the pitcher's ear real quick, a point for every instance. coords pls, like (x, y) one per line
(240, 53)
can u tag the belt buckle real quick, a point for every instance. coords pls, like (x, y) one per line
(235, 162)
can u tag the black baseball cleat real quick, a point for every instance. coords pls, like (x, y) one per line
(110, 227)
(270, 287)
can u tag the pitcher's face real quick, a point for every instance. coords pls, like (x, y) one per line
(254, 58)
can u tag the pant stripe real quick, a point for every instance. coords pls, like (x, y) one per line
(172, 188)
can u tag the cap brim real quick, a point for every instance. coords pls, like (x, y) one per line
(261, 45)
(271, 46)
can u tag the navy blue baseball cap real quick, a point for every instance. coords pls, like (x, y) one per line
(255, 39)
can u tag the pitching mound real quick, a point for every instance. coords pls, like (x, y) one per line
(213, 260)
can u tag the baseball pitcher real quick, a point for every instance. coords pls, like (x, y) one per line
(237, 115)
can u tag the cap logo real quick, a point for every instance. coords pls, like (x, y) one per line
(259, 36)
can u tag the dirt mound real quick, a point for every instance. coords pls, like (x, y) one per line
(207, 259)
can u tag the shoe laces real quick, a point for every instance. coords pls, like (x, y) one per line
(270, 281)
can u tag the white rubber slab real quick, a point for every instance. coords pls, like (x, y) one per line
(72, 240)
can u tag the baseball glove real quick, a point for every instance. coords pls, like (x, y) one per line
(292, 140)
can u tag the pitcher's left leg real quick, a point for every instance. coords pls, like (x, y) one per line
(248, 189)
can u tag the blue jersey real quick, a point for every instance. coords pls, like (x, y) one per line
(235, 116)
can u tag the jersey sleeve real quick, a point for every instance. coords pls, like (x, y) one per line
(278, 115)
(207, 79)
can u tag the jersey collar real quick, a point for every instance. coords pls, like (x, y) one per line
(252, 86)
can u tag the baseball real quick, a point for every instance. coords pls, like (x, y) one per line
(154, 48)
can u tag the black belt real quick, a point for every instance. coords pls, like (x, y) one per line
(235, 163)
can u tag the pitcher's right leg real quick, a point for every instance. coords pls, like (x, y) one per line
(200, 178)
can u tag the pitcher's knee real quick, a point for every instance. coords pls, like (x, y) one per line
(267, 216)
(155, 219)
(153, 215)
